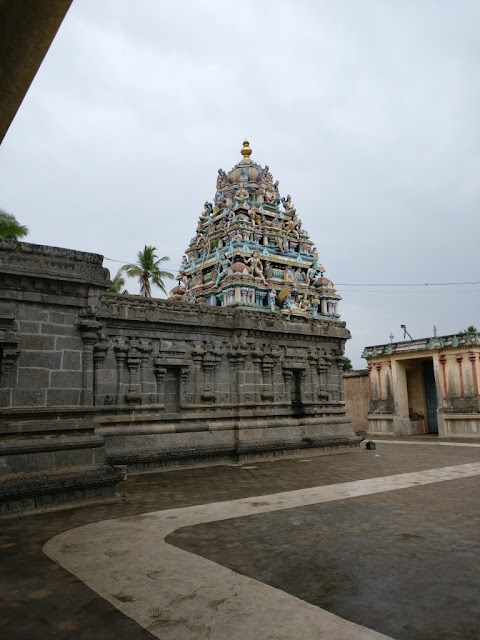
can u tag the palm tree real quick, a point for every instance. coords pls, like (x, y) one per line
(147, 271)
(470, 329)
(10, 227)
(118, 283)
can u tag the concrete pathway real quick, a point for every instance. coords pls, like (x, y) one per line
(176, 594)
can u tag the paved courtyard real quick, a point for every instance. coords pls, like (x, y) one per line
(362, 545)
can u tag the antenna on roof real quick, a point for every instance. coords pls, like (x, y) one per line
(405, 332)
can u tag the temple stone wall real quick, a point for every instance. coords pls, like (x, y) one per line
(50, 453)
(90, 380)
(176, 381)
(357, 398)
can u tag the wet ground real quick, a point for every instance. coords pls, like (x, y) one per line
(401, 562)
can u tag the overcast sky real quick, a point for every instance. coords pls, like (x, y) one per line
(367, 112)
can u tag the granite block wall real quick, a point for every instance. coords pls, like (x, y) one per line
(50, 453)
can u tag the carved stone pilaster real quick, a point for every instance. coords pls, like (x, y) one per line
(322, 379)
(99, 352)
(9, 353)
(133, 395)
(237, 357)
(184, 373)
(304, 395)
(257, 375)
(232, 359)
(160, 372)
(88, 329)
(287, 378)
(209, 364)
(120, 349)
(339, 361)
(197, 356)
(267, 371)
(145, 348)
(313, 382)
(208, 394)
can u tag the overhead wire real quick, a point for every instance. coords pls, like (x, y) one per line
(407, 292)
(405, 284)
(385, 284)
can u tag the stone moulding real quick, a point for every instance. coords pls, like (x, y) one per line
(144, 460)
(444, 343)
(21, 258)
(28, 249)
(24, 493)
(26, 446)
(135, 309)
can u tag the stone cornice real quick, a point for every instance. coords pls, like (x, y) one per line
(52, 263)
(462, 341)
(130, 308)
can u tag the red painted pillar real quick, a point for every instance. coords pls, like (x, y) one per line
(472, 356)
(369, 367)
(459, 358)
(443, 360)
(378, 367)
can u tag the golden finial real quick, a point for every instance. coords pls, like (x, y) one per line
(246, 151)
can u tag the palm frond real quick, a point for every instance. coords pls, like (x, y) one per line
(10, 227)
(132, 270)
(147, 271)
(118, 282)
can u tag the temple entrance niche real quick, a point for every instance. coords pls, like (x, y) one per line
(296, 390)
(172, 390)
(421, 398)
(430, 396)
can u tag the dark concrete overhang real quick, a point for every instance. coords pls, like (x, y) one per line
(27, 29)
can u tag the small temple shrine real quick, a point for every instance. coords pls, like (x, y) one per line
(243, 361)
(250, 250)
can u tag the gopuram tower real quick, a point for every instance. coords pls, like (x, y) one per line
(250, 250)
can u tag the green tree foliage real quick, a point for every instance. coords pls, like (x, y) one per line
(347, 364)
(10, 227)
(118, 283)
(147, 271)
(470, 329)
